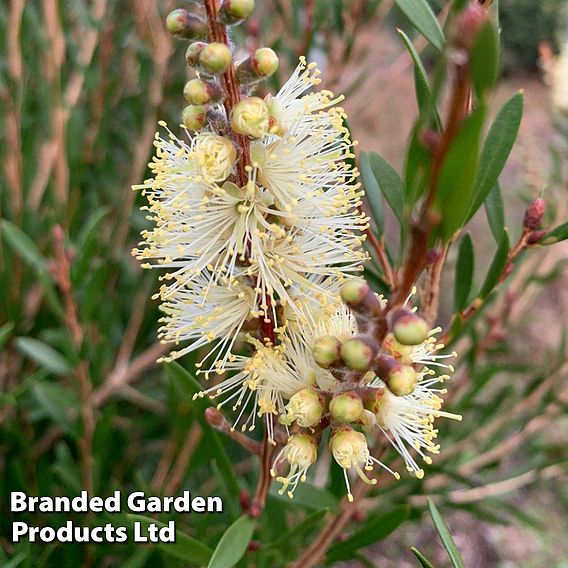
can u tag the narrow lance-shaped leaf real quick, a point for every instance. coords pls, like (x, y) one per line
(464, 273)
(421, 82)
(445, 536)
(389, 182)
(496, 149)
(44, 355)
(424, 562)
(185, 547)
(374, 529)
(372, 192)
(497, 266)
(557, 234)
(495, 211)
(424, 20)
(485, 59)
(233, 543)
(457, 175)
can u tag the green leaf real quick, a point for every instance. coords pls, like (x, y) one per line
(424, 562)
(374, 529)
(421, 82)
(557, 234)
(496, 149)
(44, 355)
(464, 273)
(457, 175)
(57, 403)
(14, 562)
(308, 523)
(445, 536)
(424, 20)
(485, 59)
(308, 496)
(497, 266)
(389, 182)
(23, 245)
(233, 543)
(6, 332)
(495, 211)
(185, 547)
(372, 192)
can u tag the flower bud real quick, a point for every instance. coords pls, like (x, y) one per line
(468, 24)
(402, 380)
(180, 23)
(250, 117)
(305, 407)
(357, 353)
(534, 214)
(233, 12)
(373, 398)
(193, 51)
(194, 117)
(354, 291)
(535, 237)
(198, 92)
(214, 58)
(260, 65)
(215, 155)
(326, 351)
(346, 407)
(408, 328)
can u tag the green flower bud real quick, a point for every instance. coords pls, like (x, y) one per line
(261, 64)
(214, 58)
(233, 12)
(193, 51)
(194, 117)
(326, 351)
(180, 23)
(305, 407)
(198, 92)
(250, 117)
(402, 380)
(357, 354)
(410, 329)
(353, 291)
(346, 407)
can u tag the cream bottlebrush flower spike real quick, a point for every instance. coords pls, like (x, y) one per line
(257, 219)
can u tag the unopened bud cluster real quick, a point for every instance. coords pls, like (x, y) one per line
(251, 116)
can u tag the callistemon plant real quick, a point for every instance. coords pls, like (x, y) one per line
(258, 221)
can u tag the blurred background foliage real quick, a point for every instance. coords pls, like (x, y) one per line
(82, 85)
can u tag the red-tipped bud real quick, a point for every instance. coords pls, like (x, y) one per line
(233, 12)
(260, 65)
(346, 407)
(194, 117)
(534, 214)
(198, 92)
(326, 351)
(358, 353)
(180, 23)
(468, 24)
(214, 58)
(407, 327)
(402, 380)
(535, 237)
(193, 51)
